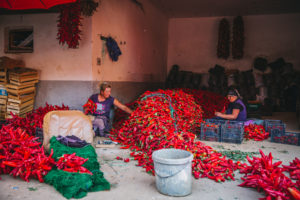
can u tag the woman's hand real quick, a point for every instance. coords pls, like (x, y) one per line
(218, 114)
(122, 106)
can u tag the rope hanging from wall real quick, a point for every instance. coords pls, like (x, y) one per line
(238, 38)
(224, 39)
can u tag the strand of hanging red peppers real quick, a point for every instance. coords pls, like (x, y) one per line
(69, 25)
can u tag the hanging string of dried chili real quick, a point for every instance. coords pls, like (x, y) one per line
(69, 25)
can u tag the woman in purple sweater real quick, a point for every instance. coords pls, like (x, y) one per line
(236, 109)
(104, 103)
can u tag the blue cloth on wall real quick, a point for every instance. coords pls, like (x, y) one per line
(113, 49)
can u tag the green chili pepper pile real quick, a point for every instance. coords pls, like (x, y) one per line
(237, 155)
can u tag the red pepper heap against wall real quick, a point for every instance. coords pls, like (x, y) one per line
(152, 126)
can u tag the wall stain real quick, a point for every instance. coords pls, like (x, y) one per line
(59, 68)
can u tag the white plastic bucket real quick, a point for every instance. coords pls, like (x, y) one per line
(173, 171)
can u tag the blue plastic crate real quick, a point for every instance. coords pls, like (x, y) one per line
(232, 132)
(216, 121)
(286, 138)
(223, 121)
(272, 124)
(210, 132)
(276, 128)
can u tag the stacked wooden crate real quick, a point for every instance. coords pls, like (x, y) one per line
(3, 75)
(21, 91)
(3, 92)
(3, 101)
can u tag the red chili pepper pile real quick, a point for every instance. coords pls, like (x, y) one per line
(267, 176)
(89, 107)
(164, 119)
(210, 102)
(72, 163)
(21, 155)
(255, 132)
(33, 119)
(294, 169)
(68, 25)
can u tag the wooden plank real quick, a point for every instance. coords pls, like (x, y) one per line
(22, 98)
(21, 91)
(22, 71)
(20, 111)
(17, 87)
(20, 101)
(28, 73)
(3, 101)
(23, 83)
(20, 106)
(23, 79)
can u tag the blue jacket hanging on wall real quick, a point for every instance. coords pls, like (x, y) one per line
(112, 48)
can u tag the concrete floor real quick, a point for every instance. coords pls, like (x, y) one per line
(130, 182)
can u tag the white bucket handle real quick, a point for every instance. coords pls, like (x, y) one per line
(166, 175)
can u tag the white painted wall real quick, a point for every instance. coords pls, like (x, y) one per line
(192, 42)
(54, 61)
(144, 56)
(143, 59)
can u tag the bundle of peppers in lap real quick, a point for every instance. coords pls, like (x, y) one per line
(89, 107)
(165, 119)
(268, 177)
(255, 132)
